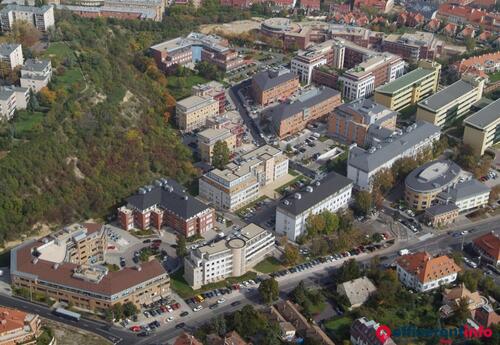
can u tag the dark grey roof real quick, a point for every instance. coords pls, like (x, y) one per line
(484, 117)
(266, 80)
(446, 95)
(433, 175)
(440, 209)
(35, 65)
(329, 185)
(7, 48)
(307, 100)
(170, 196)
(464, 190)
(366, 161)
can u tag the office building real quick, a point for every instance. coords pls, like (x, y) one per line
(488, 246)
(41, 18)
(421, 272)
(231, 257)
(291, 34)
(424, 183)
(304, 63)
(411, 87)
(441, 214)
(209, 137)
(36, 74)
(212, 89)
(166, 204)
(18, 327)
(11, 56)
(363, 165)
(413, 46)
(364, 332)
(466, 195)
(331, 193)
(482, 129)
(452, 102)
(192, 112)
(274, 85)
(351, 122)
(241, 181)
(293, 116)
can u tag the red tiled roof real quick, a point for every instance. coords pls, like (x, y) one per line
(187, 339)
(11, 319)
(467, 64)
(427, 268)
(310, 3)
(490, 243)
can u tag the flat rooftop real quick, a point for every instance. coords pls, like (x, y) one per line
(447, 95)
(485, 117)
(7, 48)
(433, 175)
(405, 81)
(195, 101)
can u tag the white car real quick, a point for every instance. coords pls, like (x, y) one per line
(197, 308)
(220, 300)
(169, 319)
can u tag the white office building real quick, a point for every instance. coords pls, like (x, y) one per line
(229, 257)
(331, 193)
(303, 65)
(466, 195)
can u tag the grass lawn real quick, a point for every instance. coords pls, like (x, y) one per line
(339, 328)
(59, 49)
(180, 87)
(317, 308)
(494, 77)
(269, 265)
(26, 121)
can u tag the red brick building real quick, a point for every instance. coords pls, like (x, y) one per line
(166, 203)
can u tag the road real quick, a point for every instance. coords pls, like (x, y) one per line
(320, 274)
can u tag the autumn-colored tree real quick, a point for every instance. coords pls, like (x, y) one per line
(47, 97)
(494, 194)
(291, 255)
(25, 33)
(383, 180)
(363, 202)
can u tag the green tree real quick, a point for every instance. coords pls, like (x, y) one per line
(470, 278)
(348, 271)
(363, 201)
(130, 309)
(377, 237)
(117, 310)
(345, 221)
(181, 249)
(458, 257)
(470, 43)
(220, 155)
(461, 313)
(269, 290)
(291, 255)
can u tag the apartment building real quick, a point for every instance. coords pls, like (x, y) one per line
(212, 89)
(274, 85)
(466, 195)
(18, 327)
(12, 98)
(41, 266)
(11, 56)
(192, 112)
(421, 272)
(294, 115)
(462, 15)
(36, 74)
(424, 183)
(209, 137)
(331, 193)
(411, 87)
(240, 182)
(482, 129)
(152, 12)
(166, 203)
(413, 46)
(363, 165)
(358, 122)
(41, 18)
(479, 65)
(230, 257)
(452, 102)
(488, 246)
(364, 332)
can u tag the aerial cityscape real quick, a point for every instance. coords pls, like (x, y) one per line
(235, 172)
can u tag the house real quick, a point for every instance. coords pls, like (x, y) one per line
(452, 299)
(357, 291)
(421, 272)
(231, 338)
(18, 327)
(450, 29)
(187, 339)
(467, 32)
(466, 195)
(287, 329)
(486, 316)
(433, 25)
(488, 246)
(485, 36)
(441, 214)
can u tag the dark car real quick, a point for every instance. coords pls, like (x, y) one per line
(180, 325)
(184, 313)
(213, 306)
(235, 303)
(146, 241)
(144, 334)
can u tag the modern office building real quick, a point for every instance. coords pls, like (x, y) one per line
(482, 129)
(241, 181)
(452, 102)
(351, 122)
(421, 272)
(413, 46)
(304, 63)
(363, 165)
(44, 267)
(331, 193)
(36, 74)
(229, 257)
(466, 195)
(274, 85)
(209, 137)
(423, 184)
(41, 18)
(212, 89)
(411, 87)
(166, 204)
(364, 332)
(11, 56)
(192, 112)
(18, 327)
(293, 116)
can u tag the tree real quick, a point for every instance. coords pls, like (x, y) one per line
(319, 246)
(383, 180)
(33, 102)
(345, 221)
(377, 237)
(117, 310)
(219, 325)
(462, 312)
(363, 202)
(269, 290)
(220, 155)
(494, 195)
(208, 70)
(130, 309)
(470, 43)
(458, 257)
(181, 249)
(348, 271)
(471, 279)
(291, 255)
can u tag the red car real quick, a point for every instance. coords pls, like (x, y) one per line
(135, 328)
(163, 309)
(175, 306)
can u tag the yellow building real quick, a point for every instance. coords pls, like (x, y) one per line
(209, 137)
(411, 87)
(452, 102)
(193, 112)
(482, 129)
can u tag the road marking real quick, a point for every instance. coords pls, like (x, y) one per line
(425, 237)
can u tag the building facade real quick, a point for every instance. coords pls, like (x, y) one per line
(272, 86)
(413, 46)
(231, 257)
(488, 246)
(466, 195)
(36, 74)
(209, 137)
(332, 193)
(12, 98)
(212, 89)
(441, 214)
(41, 18)
(192, 112)
(482, 129)
(303, 65)
(11, 56)
(18, 327)
(166, 203)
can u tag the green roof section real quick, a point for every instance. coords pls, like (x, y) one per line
(404, 81)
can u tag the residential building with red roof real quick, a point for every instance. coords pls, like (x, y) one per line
(486, 316)
(467, 32)
(484, 36)
(468, 15)
(310, 4)
(422, 272)
(488, 247)
(450, 29)
(187, 339)
(364, 332)
(433, 25)
(480, 65)
(18, 327)
(382, 5)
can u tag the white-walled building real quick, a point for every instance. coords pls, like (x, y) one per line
(11, 56)
(12, 98)
(363, 164)
(41, 18)
(421, 272)
(230, 257)
(304, 63)
(36, 74)
(466, 195)
(331, 193)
